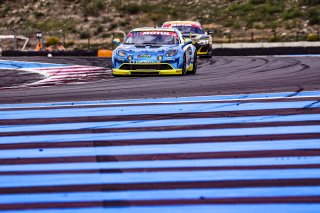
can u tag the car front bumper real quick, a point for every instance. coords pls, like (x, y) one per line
(203, 49)
(146, 69)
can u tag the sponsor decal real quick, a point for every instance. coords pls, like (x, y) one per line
(144, 62)
(160, 33)
(153, 33)
(183, 25)
(144, 56)
(143, 50)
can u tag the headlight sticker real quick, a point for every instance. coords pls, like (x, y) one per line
(121, 53)
(171, 52)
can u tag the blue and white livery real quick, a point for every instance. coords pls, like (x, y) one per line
(155, 51)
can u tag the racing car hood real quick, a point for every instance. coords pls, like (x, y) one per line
(147, 53)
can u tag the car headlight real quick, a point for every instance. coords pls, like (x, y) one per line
(203, 41)
(171, 52)
(121, 53)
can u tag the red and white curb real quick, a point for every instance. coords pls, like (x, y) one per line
(68, 74)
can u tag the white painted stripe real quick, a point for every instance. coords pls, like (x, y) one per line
(75, 69)
(175, 194)
(278, 130)
(153, 109)
(232, 208)
(66, 68)
(74, 73)
(70, 76)
(263, 96)
(158, 123)
(163, 149)
(155, 177)
(198, 163)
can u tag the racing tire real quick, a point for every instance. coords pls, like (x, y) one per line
(195, 64)
(184, 65)
(210, 53)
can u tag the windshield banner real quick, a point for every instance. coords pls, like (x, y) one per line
(153, 33)
(182, 25)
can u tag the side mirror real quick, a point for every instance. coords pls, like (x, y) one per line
(116, 41)
(210, 32)
(187, 41)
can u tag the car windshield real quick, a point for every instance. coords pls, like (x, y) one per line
(152, 37)
(189, 29)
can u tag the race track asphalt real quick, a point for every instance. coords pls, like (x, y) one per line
(216, 76)
(178, 144)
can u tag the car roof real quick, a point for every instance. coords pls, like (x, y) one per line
(154, 29)
(182, 22)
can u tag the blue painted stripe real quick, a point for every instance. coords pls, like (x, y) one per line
(234, 208)
(274, 161)
(157, 123)
(153, 109)
(258, 96)
(161, 134)
(155, 177)
(5, 64)
(164, 149)
(161, 194)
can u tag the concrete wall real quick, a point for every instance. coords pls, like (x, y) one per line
(234, 49)
(266, 45)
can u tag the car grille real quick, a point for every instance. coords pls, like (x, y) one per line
(145, 67)
(144, 73)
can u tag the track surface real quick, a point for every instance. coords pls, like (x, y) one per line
(220, 75)
(257, 152)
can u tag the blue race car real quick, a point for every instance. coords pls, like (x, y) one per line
(154, 51)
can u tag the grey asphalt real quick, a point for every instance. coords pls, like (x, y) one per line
(216, 76)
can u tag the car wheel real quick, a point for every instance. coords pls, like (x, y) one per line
(210, 52)
(195, 64)
(184, 66)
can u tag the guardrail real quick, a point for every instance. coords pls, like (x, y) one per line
(279, 48)
(234, 49)
(266, 45)
(267, 51)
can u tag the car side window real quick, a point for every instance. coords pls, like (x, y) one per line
(176, 40)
